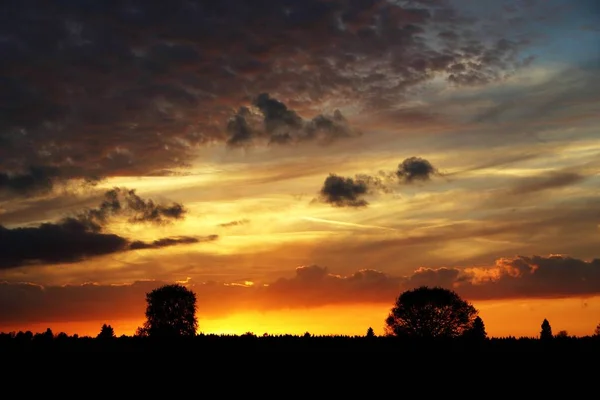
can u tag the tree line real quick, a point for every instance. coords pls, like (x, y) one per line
(422, 314)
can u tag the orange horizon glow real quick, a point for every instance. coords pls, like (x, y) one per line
(503, 318)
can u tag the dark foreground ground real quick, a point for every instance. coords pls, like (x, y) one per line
(296, 367)
(288, 343)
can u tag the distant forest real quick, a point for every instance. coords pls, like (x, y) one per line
(421, 319)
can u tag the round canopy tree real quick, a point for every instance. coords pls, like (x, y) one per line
(170, 312)
(427, 312)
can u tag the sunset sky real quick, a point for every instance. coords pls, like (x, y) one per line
(299, 163)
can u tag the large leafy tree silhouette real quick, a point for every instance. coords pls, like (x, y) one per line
(427, 312)
(170, 312)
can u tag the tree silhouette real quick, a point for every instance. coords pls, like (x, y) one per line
(48, 335)
(597, 331)
(477, 331)
(370, 333)
(106, 332)
(427, 312)
(141, 331)
(546, 333)
(170, 312)
(562, 334)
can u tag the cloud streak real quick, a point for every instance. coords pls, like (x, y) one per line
(232, 224)
(70, 241)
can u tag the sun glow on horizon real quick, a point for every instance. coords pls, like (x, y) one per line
(502, 318)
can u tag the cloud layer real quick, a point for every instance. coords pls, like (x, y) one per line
(94, 90)
(311, 286)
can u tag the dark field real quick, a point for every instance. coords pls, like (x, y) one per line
(289, 343)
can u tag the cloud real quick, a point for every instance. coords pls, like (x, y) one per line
(415, 169)
(66, 241)
(78, 237)
(123, 201)
(380, 183)
(497, 162)
(349, 192)
(231, 224)
(134, 89)
(554, 276)
(69, 241)
(343, 192)
(311, 286)
(547, 181)
(314, 285)
(566, 94)
(170, 241)
(274, 122)
(72, 302)
(525, 191)
(34, 180)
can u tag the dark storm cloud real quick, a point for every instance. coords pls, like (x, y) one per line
(99, 89)
(349, 192)
(81, 236)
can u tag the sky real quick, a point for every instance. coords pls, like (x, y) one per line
(299, 164)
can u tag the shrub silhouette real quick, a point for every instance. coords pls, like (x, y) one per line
(562, 334)
(170, 312)
(427, 312)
